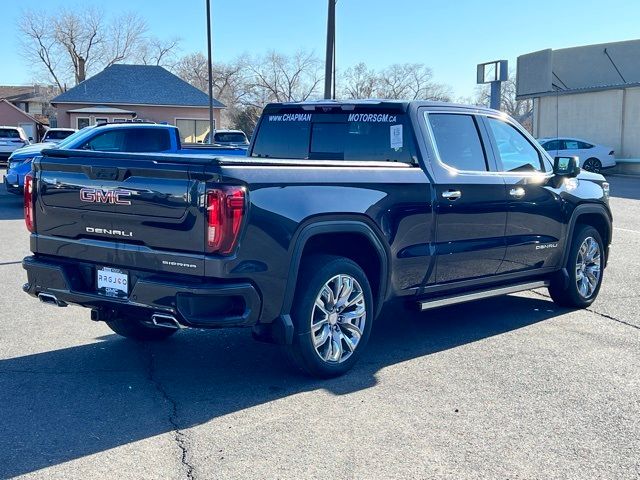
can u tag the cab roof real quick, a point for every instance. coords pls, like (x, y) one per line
(403, 105)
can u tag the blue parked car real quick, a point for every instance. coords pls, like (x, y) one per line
(115, 137)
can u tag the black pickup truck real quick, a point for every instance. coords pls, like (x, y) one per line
(338, 208)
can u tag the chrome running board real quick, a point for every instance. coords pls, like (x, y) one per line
(479, 295)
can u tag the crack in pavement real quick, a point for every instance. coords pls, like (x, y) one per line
(179, 436)
(591, 310)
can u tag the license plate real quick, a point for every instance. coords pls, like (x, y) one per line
(112, 282)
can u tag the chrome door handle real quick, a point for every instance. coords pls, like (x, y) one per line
(452, 194)
(517, 192)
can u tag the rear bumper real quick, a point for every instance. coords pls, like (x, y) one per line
(12, 184)
(193, 304)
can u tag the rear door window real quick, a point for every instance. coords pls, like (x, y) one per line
(356, 136)
(571, 145)
(147, 140)
(458, 141)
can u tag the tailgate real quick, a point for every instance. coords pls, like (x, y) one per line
(129, 199)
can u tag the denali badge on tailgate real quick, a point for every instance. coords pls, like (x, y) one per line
(98, 195)
(109, 231)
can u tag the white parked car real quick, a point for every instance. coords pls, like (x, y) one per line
(56, 135)
(11, 138)
(593, 157)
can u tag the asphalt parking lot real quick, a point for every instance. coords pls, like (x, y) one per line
(505, 388)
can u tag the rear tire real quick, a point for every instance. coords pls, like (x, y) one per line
(332, 316)
(135, 329)
(585, 267)
(592, 165)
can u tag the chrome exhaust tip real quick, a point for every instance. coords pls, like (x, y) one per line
(51, 300)
(165, 320)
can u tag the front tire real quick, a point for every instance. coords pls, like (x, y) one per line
(135, 329)
(585, 268)
(332, 316)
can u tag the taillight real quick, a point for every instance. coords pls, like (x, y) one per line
(225, 210)
(29, 211)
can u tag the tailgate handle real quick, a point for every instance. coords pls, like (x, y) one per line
(104, 173)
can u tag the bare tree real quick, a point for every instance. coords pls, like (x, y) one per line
(193, 69)
(159, 52)
(359, 82)
(281, 78)
(410, 81)
(71, 44)
(80, 35)
(40, 45)
(126, 36)
(247, 84)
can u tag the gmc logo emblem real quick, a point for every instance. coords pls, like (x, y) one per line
(97, 195)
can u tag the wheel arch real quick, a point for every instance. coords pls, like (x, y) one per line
(324, 234)
(596, 216)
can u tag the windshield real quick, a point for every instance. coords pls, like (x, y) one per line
(366, 135)
(232, 137)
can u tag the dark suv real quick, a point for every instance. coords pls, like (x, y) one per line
(338, 208)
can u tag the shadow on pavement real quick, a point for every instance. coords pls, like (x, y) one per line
(60, 405)
(10, 205)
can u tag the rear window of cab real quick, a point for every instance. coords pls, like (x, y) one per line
(356, 136)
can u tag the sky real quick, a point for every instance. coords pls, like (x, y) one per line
(451, 37)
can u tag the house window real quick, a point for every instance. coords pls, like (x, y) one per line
(193, 130)
(119, 120)
(82, 122)
(101, 120)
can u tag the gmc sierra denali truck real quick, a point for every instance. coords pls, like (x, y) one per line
(338, 208)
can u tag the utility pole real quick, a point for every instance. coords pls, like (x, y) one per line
(210, 65)
(329, 64)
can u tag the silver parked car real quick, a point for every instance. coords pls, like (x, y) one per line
(593, 157)
(11, 138)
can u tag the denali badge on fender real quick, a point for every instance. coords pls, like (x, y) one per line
(97, 195)
(109, 231)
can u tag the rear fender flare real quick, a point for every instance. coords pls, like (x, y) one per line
(336, 226)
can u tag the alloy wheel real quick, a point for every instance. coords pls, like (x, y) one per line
(588, 267)
(592, 165)
(338, 318)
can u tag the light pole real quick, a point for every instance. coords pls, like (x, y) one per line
(210, 66)
(329, 64)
